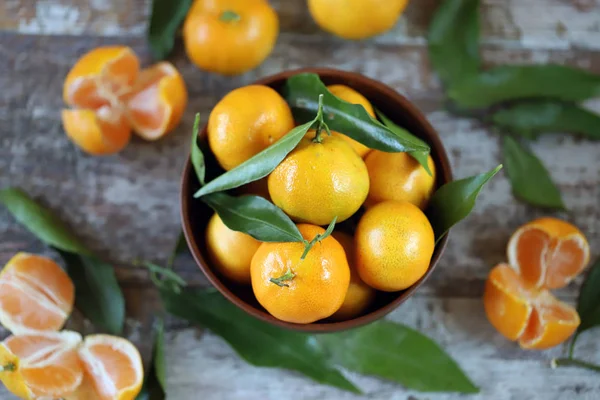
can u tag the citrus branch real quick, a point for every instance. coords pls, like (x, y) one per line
(573, 362)
(288, 276)
(318, 238)
(9, 367)
(320, 122)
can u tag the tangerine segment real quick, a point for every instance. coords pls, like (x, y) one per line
(35, 294)
(520, 312)
(113, 365)
(101, 132)
(41, 364)
(157, 101)
(548, 252)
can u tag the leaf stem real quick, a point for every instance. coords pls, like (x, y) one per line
(573, 362)
(288, 276)
(572, 345)
(320, 123)
(318, 238)
(9, 367)
(229, 16)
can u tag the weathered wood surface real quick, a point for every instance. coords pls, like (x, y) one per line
(126, 206)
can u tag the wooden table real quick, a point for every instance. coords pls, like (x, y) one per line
(126, 206)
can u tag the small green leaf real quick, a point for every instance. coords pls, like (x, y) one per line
(454, 40)
(529, 178)
(196, 155)
(302, 91)
(506, 83)
(254, 216)
(180, 247)
(398, 353)
(154, 387)
(97, 292)
(165, 272)
(40, 221)
(259, 343)
(588, 306)
(159, 356)
(533, 118)
(420, 155)
(453, 202)
(258, 166)
(167, 16)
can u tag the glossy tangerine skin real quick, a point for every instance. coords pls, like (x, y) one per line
(320, 283)
(352, 96)
(394, 245)
(245, 122)
(319, 181)
(356, 19)
(230, 47)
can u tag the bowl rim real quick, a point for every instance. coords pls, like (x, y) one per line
(333, 326)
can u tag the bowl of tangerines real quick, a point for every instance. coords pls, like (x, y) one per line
(306, 199)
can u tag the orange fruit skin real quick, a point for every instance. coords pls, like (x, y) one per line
(394, 245)
(352, 96)
(398, 176)
(230, 251)
(319, 181)
(359, 295)
(245, 122)
(356, 19)
(320, 283)
(230, 47)
(533, 317)
(548, 252)
(35, 294)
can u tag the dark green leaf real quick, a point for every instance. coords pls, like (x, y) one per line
(97, 292)
(40, 221)
(258, 166)
(396, 352)
(180, 247)
(506, 83)
(454, 40)
(259, 343)
(453, 202)
(196, 155)
(531, 119)
(529, 178)
(167, 16)
(420, 155)
(302, 92)
(154, 387)
(254, 216)
(588, 306)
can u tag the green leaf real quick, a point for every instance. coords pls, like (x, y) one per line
(302, 92)
(180, 247)
(420, 155)
(40, 221)
(254, 216)
(154, 387)
(166, 273)
(196, 155)
(531, 119)
(454, 40)
(259, 343)
(529, 178)
(167, 16)
(398, 353)
(453, 202)
(588, 306)
(97, 292)
(506, 83)
(258, 166)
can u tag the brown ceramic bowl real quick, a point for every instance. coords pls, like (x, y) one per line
(195, 214)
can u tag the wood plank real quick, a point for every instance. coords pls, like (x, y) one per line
(558, 24)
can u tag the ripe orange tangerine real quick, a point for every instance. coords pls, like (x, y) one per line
(110, 95)
(548, 252)
(533, 317)
(41, 364)
(35, 294)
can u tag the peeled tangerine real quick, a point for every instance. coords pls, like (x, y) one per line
(520, 312)
(110, 96)
(35, 294)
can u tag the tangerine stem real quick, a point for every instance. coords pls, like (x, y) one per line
(572, 345)
(320, 122)
(9, 367)
(288, 276)
(230, 16)
(318, 238)
(573, 362)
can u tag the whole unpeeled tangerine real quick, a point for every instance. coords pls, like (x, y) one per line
(394, 245)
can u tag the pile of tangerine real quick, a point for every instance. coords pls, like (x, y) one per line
(323, 178)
